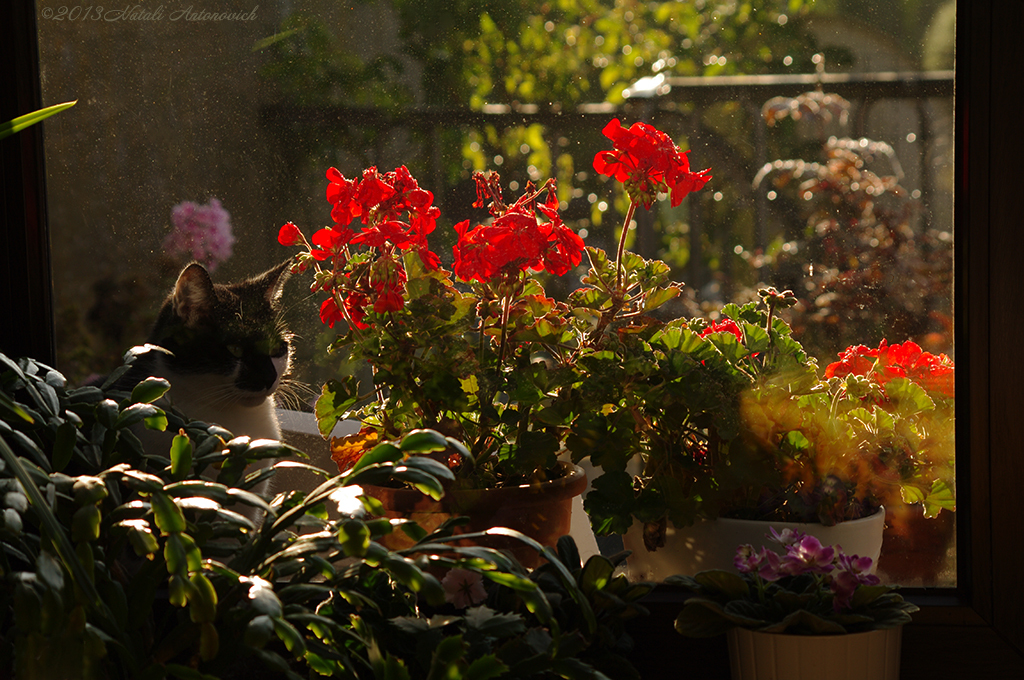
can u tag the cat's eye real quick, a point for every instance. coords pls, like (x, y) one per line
(236, 351)
(271, 347)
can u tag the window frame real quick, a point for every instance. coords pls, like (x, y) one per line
(980, 624)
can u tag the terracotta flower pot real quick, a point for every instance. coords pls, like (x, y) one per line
(711, 544)
(541, 511)
(755, 655)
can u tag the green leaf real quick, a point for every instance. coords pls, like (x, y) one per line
(181, 456)
(806, 622)
(89, 490)
(429, 466)
(291, 638)
(354, 537)
(64, 445)
(85, 523)
(444, 662)
(259, 631)
(49, 570)
(263, 599)
(21, 122)
(203, 600)
(423, 482)
(423, 441)
(488, 622)
(706, 618)
(596, 574)
(136, 413)
(381, 453)
(731, 585)
(335, 400)
(169, 518)
(659, 296)
(484, 668)
(149, 390)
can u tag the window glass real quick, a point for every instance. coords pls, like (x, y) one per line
(837, 186)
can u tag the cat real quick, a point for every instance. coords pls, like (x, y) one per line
(226, 349)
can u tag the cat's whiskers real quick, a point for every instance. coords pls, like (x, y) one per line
(294, 394)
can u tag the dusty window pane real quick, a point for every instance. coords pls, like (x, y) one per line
(846, 198)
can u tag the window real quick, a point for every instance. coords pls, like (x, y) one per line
(980, 613)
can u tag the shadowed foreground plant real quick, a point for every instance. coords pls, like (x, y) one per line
(119, 563)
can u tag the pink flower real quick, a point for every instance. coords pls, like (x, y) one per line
(201, 232)
(765, 562)
(787, 537)
(808, 556)
(852, 573)
(463, 588)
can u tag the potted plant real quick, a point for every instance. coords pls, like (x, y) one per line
(820, 455)
(480, 352)
(119, 563)
(686, 419)
(813, 612)
(920, 520)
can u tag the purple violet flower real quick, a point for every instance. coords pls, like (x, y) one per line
(764, 562)
(808, 556)
(786, 537)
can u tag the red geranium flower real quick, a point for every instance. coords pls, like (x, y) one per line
(516, 241)
(647, 161)
(855, 360)
(329, 312)
(933, 372)
(289, 235)
(339, 194)
(725, 326)
(330, 243)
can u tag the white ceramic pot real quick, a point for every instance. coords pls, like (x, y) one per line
(874, 655)
(711, 544)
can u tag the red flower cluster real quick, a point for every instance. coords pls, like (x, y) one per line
(934, 373)
(380, 201)
(647, 162)
(516, 240)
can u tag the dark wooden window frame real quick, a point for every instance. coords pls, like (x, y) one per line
(973, 631)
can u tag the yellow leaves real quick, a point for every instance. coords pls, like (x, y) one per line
(346, 451)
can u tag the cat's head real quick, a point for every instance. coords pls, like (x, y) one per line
(230, 334)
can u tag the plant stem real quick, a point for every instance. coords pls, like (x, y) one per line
(506, 306)
(622, 244)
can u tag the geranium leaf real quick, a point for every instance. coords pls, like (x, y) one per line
(334, 402)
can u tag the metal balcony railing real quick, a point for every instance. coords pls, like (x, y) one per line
(673, 102)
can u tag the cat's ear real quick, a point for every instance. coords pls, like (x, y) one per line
(193, 294)
(272, 281)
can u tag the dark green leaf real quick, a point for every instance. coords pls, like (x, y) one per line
(149, 390)
(64, 445)
(167, 514)
(382, 453)
(423, 441)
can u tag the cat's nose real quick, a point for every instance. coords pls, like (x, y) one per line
(258, 375)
